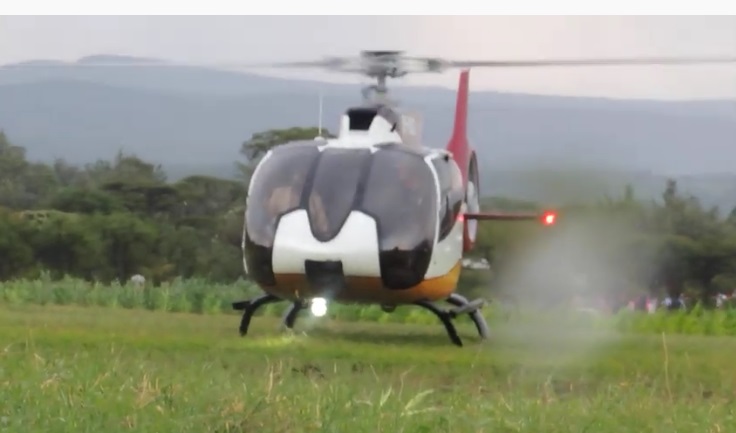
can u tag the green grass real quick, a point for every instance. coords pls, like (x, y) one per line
(93, 369)
(197, 296)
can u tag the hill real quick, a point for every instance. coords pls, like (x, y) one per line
(194, 119)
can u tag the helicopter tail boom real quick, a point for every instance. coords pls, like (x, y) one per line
(547, 218)
(458, 144)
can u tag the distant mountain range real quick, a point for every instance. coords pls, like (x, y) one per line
(193, 120)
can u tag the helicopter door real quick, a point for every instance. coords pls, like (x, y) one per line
(452, 194)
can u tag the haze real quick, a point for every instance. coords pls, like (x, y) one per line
(274, 38)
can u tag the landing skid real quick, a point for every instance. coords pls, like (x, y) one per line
(460, 306)
(250, 307)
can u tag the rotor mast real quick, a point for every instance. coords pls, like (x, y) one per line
(380, 65)
(377, 92)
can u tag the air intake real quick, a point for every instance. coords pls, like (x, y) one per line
(361, 118)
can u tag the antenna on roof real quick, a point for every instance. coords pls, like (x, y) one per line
(319, 136)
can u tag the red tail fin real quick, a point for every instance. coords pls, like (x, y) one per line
(458, 144)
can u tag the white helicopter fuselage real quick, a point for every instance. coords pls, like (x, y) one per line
(374, 219)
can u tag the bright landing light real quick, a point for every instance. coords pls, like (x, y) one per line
(318, 307)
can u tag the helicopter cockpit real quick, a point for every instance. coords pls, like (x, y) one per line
(394, 186)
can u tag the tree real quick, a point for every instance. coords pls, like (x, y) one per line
(143, 198)
(206, 196)
(64, 244)
(15, 250)
(261, 142)
(124, 168)
(85, 201)
(112, 219)
(22, 184)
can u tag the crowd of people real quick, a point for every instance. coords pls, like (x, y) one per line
(651, 304)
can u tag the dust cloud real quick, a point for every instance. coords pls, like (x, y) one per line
(557, 288)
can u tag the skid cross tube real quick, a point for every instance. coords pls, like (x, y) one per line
(292, 313)
(474, 313)
(445, 318)
(462, 306)
(250, 307)
(460, 303)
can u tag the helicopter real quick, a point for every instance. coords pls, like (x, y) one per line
(372, 216)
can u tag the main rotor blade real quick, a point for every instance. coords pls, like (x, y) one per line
(142, 64)
(334, 64)
(592, 62)
(324, 63)
(348, 64)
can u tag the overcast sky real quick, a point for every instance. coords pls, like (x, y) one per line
(253, 39)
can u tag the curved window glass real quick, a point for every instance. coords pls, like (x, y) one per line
(394, 186)
(400, 195)
(334, 190)
(276, 189)
(452, 193)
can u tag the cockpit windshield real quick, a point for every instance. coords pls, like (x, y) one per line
(276, 189)
(394, 185)
(334, 190)
(400, 194)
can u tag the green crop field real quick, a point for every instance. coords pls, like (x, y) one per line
(73, 368)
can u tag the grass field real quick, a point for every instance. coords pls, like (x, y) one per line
(93, 369)
(201, 297)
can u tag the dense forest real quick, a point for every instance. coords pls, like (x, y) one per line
(112, 219)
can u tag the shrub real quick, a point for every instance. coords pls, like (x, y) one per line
(201, 297)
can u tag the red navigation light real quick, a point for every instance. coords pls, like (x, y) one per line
(549, 218)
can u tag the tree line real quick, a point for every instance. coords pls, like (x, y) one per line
(110, 220)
